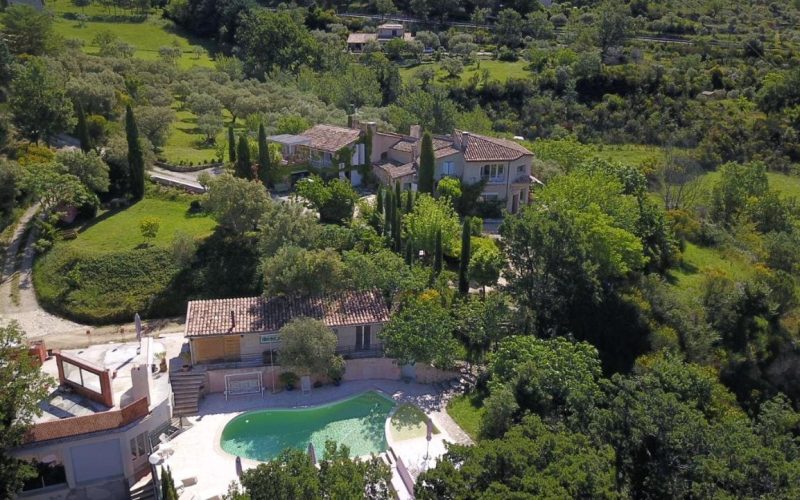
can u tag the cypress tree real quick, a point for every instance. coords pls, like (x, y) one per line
(82, 130)
(397, 228)
(387, 213)
(463, 265)
(244, 168)
(398, 195)
(263, 156)
(231, 145)
(409, 201)
(379, 200)
(426, 165)
(135, 156)
(168, 491)
(409, 253)
(437, 255)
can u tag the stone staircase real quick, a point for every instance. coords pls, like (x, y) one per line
(186, 388)
(143, 491)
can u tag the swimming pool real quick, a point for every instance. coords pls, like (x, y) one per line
(358, 422)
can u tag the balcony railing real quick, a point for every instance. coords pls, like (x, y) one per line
(261, 359)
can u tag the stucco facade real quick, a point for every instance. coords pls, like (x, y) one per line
(212, 349)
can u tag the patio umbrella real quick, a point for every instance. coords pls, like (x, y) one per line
(138, 321)
(312, 453)
(238, 466)
(428, 437)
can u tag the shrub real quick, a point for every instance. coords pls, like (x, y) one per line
(289, 380)
(337, 369)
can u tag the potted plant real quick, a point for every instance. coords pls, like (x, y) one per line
(162, 359)
(289, 380)
(186, 356)
(337, 369)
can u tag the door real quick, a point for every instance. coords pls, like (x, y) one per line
(515, 203)
(96, 461)
(363, 337)
(367, 336)
(232, 347)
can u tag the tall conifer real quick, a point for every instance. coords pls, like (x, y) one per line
(135, 156)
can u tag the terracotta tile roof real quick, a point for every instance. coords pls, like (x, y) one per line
(406, 144)
(396, 171)
(361, 37)
(331, 138)
(257, 314)
(483, 148)
(448, 151)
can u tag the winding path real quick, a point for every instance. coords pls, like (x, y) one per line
(35, 321)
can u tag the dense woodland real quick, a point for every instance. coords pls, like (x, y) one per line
(644, 342)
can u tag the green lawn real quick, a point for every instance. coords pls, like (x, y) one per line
(787, 185)
(187, 144)
(147, 34)
(628, 154)
(688, 278)
(498, 70)
(467, 411)
(107, 273)
(119, 230)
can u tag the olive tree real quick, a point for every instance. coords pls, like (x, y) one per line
(307, 345)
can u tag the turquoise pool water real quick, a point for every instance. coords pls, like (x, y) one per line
(357, 422)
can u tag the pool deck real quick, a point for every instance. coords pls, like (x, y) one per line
(197, 453)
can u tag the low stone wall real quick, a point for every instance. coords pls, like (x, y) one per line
(357, 369)
(187, 168)
(372, 368)
(427, 374)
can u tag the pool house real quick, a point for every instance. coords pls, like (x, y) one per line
(244, 331)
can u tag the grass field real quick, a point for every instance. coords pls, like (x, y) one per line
(629, 154)
(787, 185)
(146, 33)
(689, 277)
(498, 70)
(467, 411)
(119, 230)
(108, 273)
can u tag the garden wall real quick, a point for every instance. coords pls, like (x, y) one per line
(357, 369)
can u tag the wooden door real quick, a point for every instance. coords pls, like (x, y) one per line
(232, 347)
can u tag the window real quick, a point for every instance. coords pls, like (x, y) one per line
(139, 446)
(270, 338)
(490, 196)
(521, 169)
(363, 337)
(448, 168)
(50, 472)
(82, 377)
(494, 172)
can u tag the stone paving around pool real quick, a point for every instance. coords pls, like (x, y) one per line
(197, 453)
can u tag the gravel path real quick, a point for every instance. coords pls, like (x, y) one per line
(35, 321)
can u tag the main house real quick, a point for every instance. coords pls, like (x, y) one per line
(384, 33)
(504, 166)
(246, 330)
(326, 147)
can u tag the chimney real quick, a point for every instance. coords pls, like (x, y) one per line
(464, 140)
(372, 127)
(414, 152)
(415, 131)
